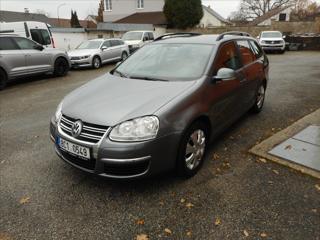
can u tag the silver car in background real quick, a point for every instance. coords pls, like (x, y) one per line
(94, 53)
(20, 57)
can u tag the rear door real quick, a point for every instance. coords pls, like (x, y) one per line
(37, 61)
(107, 54)
(224, 95)
(12, 57)
(116, 47)
(252, 69)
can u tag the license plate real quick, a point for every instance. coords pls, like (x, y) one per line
(75, 149)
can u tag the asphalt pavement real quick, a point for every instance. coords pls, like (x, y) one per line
(234, 196)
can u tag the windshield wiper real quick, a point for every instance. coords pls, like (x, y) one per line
(149, 78)
(121, 74)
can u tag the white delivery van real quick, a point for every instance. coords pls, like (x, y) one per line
(137, 39)
(37, 31)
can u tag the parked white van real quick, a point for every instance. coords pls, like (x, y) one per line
(136, 39)
(37, 31)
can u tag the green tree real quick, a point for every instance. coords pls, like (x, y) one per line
(100, 11)
(74, 22)
(183, 13)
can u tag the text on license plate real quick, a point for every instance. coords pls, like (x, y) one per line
(75, 149)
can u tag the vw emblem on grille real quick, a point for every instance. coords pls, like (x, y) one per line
(76, 128)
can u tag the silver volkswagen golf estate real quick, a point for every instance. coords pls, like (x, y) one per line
(158, 109)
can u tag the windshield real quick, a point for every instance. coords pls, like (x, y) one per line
(89, 45)
(167, 62)
(271, 35)
(132, 36)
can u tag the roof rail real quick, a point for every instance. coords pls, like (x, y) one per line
(221, 36)
(179, 34)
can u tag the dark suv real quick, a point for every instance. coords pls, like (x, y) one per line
(159, 108)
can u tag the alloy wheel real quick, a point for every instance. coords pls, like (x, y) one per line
(195, 149)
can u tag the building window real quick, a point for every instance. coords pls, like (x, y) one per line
(140, 4)
(282, 17)
(108, 5)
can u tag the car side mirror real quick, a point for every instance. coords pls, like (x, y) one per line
(38, 47)
(104, 48)
(145, 39)
(224, 74)
(284, 37)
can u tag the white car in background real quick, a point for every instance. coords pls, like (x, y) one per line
(94, 53)
(136, 39)
(272, 41)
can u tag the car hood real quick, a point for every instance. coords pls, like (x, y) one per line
(133, 42)
(271, 39)
(82, 52)
(109, 100)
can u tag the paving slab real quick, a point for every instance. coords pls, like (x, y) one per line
(297, 146)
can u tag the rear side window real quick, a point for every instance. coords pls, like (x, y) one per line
(246, 53)
(6, 43)
(106, 44)
(227, 57)
(25, 43)
(151, 37)
(41, 36)
(114, 43)
(256, 49)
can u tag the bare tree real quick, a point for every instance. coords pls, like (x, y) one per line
(255, 8)
(305, 10)
(100, 11)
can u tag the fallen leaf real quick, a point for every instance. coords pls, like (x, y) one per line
(140, 222)
(189, 233)
(263, 234)
(270, 182)
(161, 203)
(245, 232)
(142, 237)
(217, 221)
(24, 200)
(314, 210)
(273, 129)
(288, 147)
(317, 187)
(182, 200)
(262, 160)
(231, 137)
(218, 170)
(226, 149)
(275, 171)
(189, 205)
(168, 231)
(216, 156)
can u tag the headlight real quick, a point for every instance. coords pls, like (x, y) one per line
(84, 57)
(58, 112)
(262, 42)
(139, 129)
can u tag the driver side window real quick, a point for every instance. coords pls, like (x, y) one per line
(106, 44)
(227, 57)
(24, 43)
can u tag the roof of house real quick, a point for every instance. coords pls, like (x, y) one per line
(268, 15)
(217, 15)
(65, 23)
(155, 18)
(9, 16)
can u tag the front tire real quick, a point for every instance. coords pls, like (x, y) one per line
(260, 96)
(96, 62)
(3, 79)
(124, 56)
(61, 67)
(192, 149)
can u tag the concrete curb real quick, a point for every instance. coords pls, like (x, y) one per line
(265, 146)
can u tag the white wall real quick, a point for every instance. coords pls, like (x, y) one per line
(67, 41)
(208, 20)
(123, 8)
(276, 18)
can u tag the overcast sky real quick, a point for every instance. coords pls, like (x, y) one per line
(86, 7)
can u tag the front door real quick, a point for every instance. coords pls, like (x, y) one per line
(38, 61)
(224, 95)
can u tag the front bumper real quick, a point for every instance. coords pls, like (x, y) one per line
(81, 63)
(270, 47)
(122, 160)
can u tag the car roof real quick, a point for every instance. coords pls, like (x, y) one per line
(210, 39)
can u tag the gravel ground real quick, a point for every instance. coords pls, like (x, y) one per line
(234, 194)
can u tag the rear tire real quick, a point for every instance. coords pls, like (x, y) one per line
(61, 67)
(192, 149)
(260, 96)
(124, 56)
(3, 79)
(96, 62)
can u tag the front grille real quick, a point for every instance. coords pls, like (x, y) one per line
(273, 42)
(75, 58)
(91, 133)
(87, 164)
